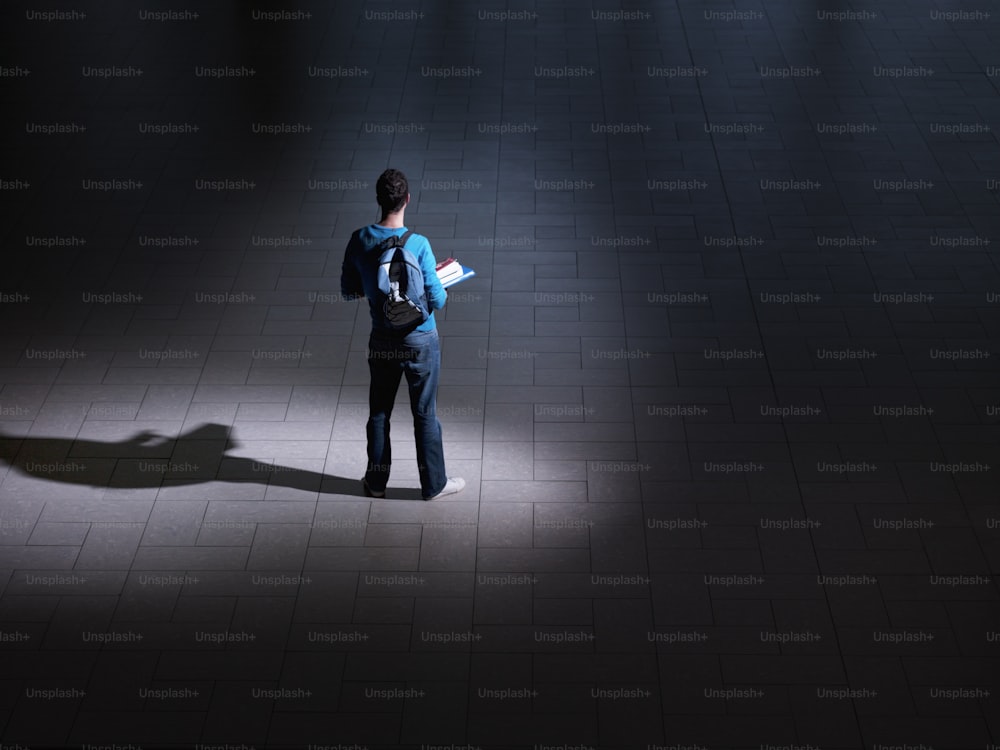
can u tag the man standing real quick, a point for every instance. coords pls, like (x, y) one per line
(392, 354)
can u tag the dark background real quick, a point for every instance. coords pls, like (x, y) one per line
(724, 387)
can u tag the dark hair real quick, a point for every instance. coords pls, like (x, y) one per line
(391, 190)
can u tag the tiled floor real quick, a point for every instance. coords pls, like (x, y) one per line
(725, 388)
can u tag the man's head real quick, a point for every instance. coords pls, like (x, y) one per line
(392, 191)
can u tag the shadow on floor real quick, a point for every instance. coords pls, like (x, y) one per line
(148, 460)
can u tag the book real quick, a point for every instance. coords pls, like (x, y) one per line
(450, 272)
(467, 273)
(448, 269)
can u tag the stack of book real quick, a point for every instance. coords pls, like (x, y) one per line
(450, 271)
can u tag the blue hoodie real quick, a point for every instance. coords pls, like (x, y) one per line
(359, 273)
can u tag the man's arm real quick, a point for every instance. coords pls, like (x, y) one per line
(436, 294)
(350, 279)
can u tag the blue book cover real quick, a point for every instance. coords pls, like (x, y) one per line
(467, 273)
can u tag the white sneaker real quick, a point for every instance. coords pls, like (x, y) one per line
(454, 484)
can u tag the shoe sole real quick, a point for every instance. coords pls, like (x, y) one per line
(371, 493)
(442, 495)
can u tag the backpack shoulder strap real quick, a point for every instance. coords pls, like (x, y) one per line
(394, 241)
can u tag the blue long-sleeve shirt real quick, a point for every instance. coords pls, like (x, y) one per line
(359, 275)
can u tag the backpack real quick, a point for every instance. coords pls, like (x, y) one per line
(401, 285)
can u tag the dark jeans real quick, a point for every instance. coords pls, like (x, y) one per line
(418, 356)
